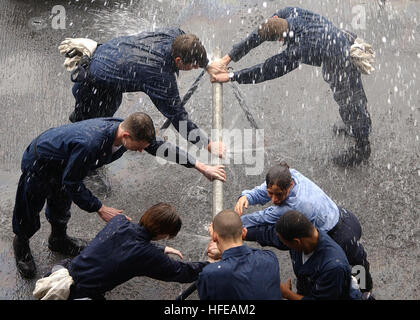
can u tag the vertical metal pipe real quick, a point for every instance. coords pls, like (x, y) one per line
(217, 125)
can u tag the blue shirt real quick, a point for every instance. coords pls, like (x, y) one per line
(312, 39)
(326, 274)
(121, 251)
(68, 152)
(242, 274)
(305, 197)
(144, 62)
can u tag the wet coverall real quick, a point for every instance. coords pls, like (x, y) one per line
(55, 164)
(326, 275)
(121, 251)
(141, 62)
(313, 40)
(242, 274)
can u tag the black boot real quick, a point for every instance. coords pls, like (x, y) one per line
(24, 260)
(60, 242)
(354, 155)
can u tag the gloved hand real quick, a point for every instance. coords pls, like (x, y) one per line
(54, 287)
(74, 49)
(362, 56)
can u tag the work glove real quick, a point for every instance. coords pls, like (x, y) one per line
(74, 49)
(54, 287)
(362, 56)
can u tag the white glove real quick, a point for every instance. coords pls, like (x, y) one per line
(80, 47)
(54, 287)
(362, 56)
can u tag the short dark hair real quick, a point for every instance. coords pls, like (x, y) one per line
(189, 48)
(294, 224)
(279, 175)
(228, 224)
(161, 219)
(272, 29)
(140, 126)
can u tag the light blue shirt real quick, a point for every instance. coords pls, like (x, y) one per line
(305, 197)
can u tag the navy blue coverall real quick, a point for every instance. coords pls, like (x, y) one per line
(120, 251)
(55, 164)
(242, 274)
(326, 275)
(141, 62)
(313, 40)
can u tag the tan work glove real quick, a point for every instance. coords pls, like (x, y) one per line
(74, 49)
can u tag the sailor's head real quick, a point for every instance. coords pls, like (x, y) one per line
(188, 52)
(279, 183)
(273, 29)
(296, 231)
(161, 221)
(138, 131)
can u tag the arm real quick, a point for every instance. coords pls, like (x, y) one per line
(218, 69)
(76, 169)
(330, 285)
(242, 48)
(274, 67)
(162, 267)
(169, 152)
(165, 96)
(269, 215)
(287, 293)
(73, 175)
(265, 235)
(258, 195)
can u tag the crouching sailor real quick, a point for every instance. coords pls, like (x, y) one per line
(121, 251)
(54, 166)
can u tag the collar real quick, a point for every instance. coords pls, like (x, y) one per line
(142, 232)
(321, 238)
(112, 132)
(235, 252)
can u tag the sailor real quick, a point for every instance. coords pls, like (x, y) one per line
(313, 40)
(55, 164)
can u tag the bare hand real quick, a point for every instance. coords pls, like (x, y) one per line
(215, 172)
(219, 78)
(241, 204)
(216, 67)
(217, 148)
(107, 213)
(286, 288)
(219, 66)
(170, 250)
(213, 251)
